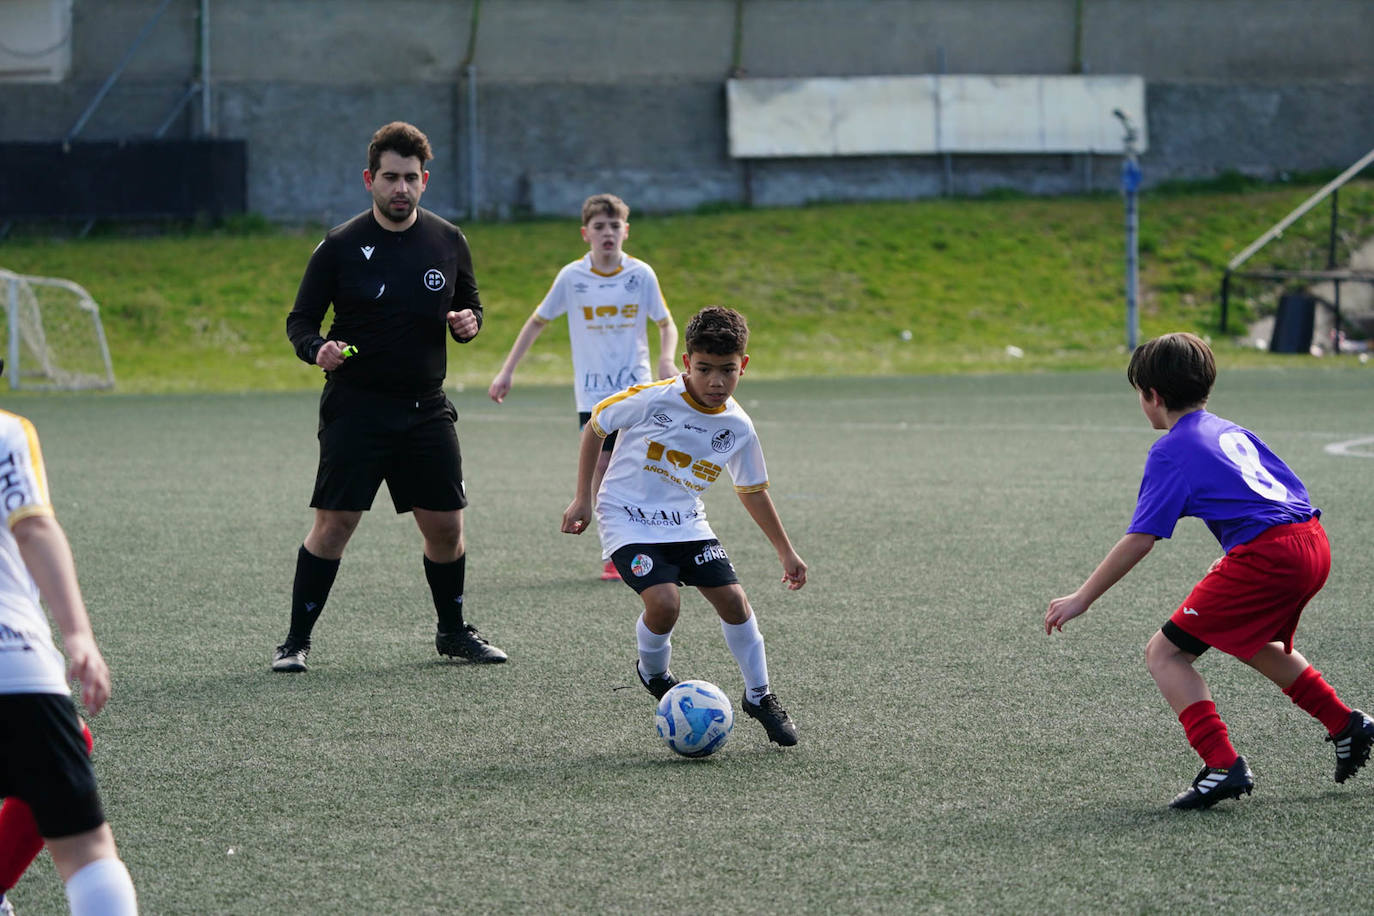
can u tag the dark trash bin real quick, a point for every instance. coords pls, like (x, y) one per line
(1293, 324)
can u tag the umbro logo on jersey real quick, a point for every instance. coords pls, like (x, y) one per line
(1190, 611)
(662, 419)
(434, 279)
(367, 251)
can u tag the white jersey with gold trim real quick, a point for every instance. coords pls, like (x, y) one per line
(29, 660)
(606, 324)
(669, 451)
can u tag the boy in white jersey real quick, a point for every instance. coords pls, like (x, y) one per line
(680, 434)
(45, 762)
(607, 296)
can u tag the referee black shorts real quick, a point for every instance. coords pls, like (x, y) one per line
(411, 443)
(45, 763)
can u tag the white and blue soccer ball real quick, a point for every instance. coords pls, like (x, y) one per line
(694, 718)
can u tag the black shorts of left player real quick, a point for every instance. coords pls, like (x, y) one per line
(701, 564)
(411, 443)
(607, 444)
(45, 763)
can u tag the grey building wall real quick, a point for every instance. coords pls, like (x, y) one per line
(578, 96)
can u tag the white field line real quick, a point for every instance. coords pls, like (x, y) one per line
(1362, 447)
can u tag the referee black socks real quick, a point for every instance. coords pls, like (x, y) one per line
(309, 591)
(446, 582)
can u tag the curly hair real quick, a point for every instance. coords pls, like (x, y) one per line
(718, 331)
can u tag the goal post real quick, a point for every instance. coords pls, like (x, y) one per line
(54, 339)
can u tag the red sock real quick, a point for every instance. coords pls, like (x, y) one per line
(1315, 697)
(1207, 734)
(20, 842)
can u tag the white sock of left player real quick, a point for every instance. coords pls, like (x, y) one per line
(655, 650)
(102, 888)
(746, 645)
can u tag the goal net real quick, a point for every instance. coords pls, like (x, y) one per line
(53, 336)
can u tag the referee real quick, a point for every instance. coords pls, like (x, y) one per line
(400, 280)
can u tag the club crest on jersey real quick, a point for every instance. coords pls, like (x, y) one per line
(434, 279)
(641, 565)
(632, 283)
(723, 441)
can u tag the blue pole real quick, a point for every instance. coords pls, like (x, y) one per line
(1130, 185)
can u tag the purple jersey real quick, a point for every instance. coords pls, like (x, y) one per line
(1214, 470)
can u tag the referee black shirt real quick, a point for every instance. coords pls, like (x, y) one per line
(391, 293)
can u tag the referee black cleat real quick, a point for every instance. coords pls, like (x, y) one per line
(774, 719)
(290, 655)
(469, 644)
(1214, 784)
(1352, 745)
(659, 684)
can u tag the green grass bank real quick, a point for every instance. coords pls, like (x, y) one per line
(829, 290)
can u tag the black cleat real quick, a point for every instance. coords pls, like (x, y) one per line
(1352, 745)
(659, 684)
(1214, 784)
(290, 655)
(774, 719)
(469, 644)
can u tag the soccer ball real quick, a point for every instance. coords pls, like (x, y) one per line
(694, 718)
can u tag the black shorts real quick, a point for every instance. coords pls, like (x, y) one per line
(584, 416)
(410, 443)
(45, 763)
(702, 564)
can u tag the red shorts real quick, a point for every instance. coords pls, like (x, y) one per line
(1258, 590)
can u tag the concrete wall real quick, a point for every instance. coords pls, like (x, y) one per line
(577, 96)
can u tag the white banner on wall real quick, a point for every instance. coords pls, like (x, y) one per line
(925, 114)
(35, 40)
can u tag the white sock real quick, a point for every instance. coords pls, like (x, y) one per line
(746, 645)
(655, 650)
(102, 888)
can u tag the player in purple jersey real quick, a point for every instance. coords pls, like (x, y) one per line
(1248, 605)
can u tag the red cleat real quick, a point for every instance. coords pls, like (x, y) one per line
(609, 573)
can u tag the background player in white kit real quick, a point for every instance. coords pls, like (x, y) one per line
(679, 435)
(44, 761)
(607, 296)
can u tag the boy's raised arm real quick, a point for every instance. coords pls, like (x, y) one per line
(760, 507)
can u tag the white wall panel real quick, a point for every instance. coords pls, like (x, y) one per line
(35, 40)
(926, 114)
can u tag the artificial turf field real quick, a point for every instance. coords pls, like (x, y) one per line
(953, 757)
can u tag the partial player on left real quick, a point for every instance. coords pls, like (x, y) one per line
(46, 764)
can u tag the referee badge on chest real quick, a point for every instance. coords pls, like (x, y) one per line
(434, 279)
